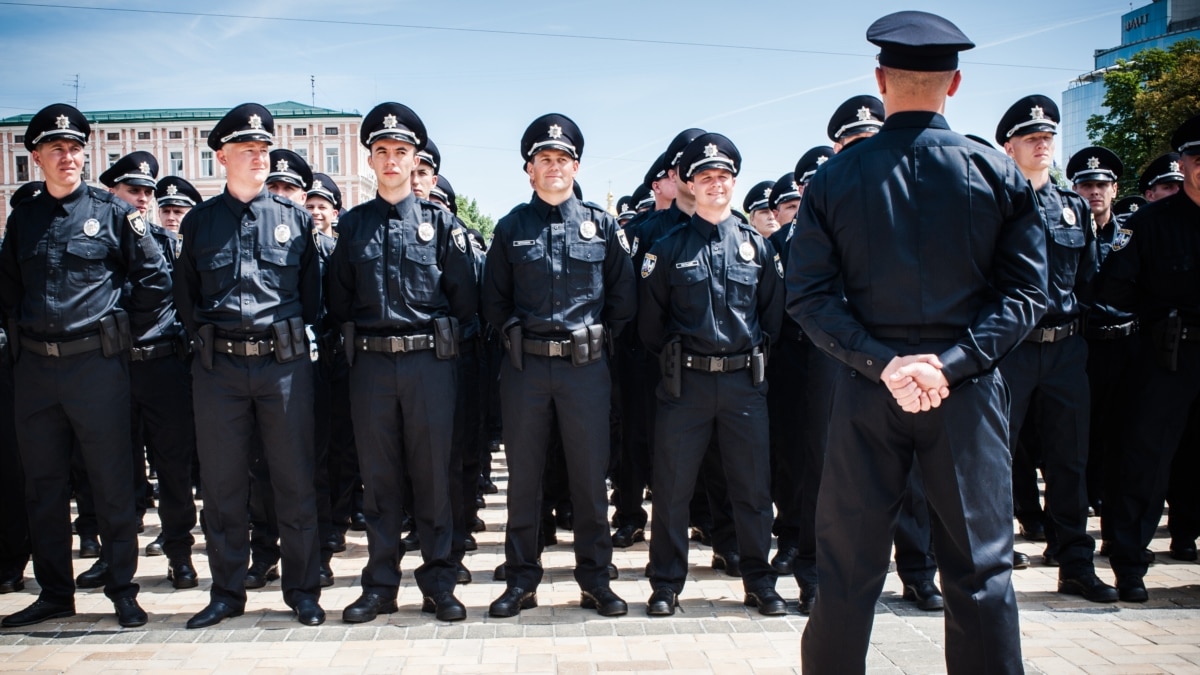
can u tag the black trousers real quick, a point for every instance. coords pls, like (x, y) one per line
(964, 464)
(637, 380)
(466, 444)
(80, 399)
(1183, 502)
(914, 533)
(264, 529)
(1108, 370)
(14, 523)
(530, 400)
(403, 409)
(342, 463)
(237, 398)
(162, 400)
(730, 406)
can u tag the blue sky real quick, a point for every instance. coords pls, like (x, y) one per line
(767, 74)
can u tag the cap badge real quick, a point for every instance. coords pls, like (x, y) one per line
(587, 229)
(555, 131)
(821, 160)
(255, 122)
(62, 122)
(172, 190)
(1133, 207)
(1093, 163)
(281, 165)
(767, 193)
(282, 233)
(390, 121)
(317, 185)
(92, 227)
(1174, 167)
(710, 150)
(795, 187)
(746, 251)
(1036, 113)
(425, 233)
(864, 114)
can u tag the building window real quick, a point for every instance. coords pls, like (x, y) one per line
(176, 163)
(18, 138)
(113, 157)
(87, 168)
(331, 131)
(143, 135)
(303, 152)
(205, 132)
(174, 135)
(299, 131)
(22, 168)
(206, 164)
(333, 164)
(113, 135)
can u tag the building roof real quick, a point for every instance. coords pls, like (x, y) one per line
(283, 110)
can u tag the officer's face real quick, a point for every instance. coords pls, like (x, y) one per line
(288, 191)
(1032, 152)
(1161, 191)
(763, 221)
(249, 161)
(1190, 166)
(1099, 195)
(552, 171)
(664, 187)
(172, 216)
(423, 180)
(712, 188)
(322, 212)
(393, 162)
(786, 212)
(61, 161)
(137, 196)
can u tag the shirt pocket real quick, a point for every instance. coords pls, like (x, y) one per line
(689, 290)
(585, 270)
(215, 268)
(1067, 244)
(279, 266)
(85, 261)
(741, 284)
(529, 268)
(421, 277)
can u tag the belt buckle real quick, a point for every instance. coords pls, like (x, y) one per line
(716, 364)
(52, 349)
(409, 343)
(138, 353)
(1047, 335)
(555, 348)
(251, 348)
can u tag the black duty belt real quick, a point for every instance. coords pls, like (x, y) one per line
(716, 364)
(1093, 332)
(153, 351)
(261, 347)
(393, 344)
(89, 343)
(916, 334)
(1053, 333)
(560, 348)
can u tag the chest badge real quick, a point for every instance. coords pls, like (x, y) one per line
(425, 233)
(1068, 216)
(587, 229)
(92, 227)
(283, 233)
(746, 251)
(648, 264)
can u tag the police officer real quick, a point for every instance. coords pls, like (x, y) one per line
(756, 204)
(247, 285)
(161, 389)
(856, 118)
(323, 202)
(859, 283)
(711, 312)
(175, 197)
(68, 253)
(643, 199)
(785, 198)
(424, 177)
(1161, 178)
(558, 284)
(1152, 272)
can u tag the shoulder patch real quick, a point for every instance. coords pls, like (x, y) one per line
(136, 223)
(623, 240)
(460, 239)
(1121, 238)
(648, 264)
(779, 265)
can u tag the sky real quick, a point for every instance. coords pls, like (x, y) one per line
(767, 74)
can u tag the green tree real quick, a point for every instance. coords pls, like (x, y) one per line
(1148, 97)
(469, 213)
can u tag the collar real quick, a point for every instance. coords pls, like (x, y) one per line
(706, 229)
(567, 208)
(405, 206)
(914, 119)
(78, 192)
(236, 205)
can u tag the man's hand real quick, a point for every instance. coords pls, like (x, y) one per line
(916, 382)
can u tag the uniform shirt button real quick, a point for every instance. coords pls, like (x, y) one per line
(870, 362)
(831, 345)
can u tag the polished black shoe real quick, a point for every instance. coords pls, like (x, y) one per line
(462, 575)
(926, 595)
(785, 560)
(662, 602)
(565, 519)
(628, 535)
(1089, 587)
(411, 541)
(488, 486)
(444, 606)
(469, 544)
(604, 601)
(155, 547)
(325, 575)
(1132, 589)
(94, 577)
(499, 574)
(260, 575)
(767, 600)
(129, 613)
(367, 607)
(728, 561)
(309, 613)
(89, 547)
(1020, 560)
(181, 574)
(613, 572)
(480, 502)
(1183, 550)
(701, 534)
(478, 525)
(12, 584)
(39, 611)
(358, 522)
(511, 602)
(1049, 560)
(215, 613)
(808, 598)
(649, 571)
(1033, 531)
(335, 543)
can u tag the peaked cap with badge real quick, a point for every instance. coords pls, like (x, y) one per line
(1029, 115)
(394, 121)
(1094, 163)
(784, 190)
(1128, 205)
(677, 144)
(657, 170)
(1186, 139)
(625, 208)
(57, 120)
(176, 191)
(1164, 169)
(289, 167)
(444, 191)
(759, 197)
(810, 161)
(920, 41)
(709, 151)
(431, 155)
(552, 131)
(30, 189)
(642, 197)
(243, 124)
(137, 168)
(324, 186)
(858, 115)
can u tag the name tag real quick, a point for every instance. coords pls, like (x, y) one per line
(525, 242)
(683, 265)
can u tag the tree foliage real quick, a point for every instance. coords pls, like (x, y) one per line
(1147, 97)
(469, 213)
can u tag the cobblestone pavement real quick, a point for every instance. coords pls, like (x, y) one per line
(712, 633)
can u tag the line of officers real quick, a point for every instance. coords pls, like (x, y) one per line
(668, 319)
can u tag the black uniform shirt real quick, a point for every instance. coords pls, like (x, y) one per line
(245, 266)
(1104, 235)
(718, 287)
(60, 272)
(386, 278)
(645, 232)
(918, 226)
(1072, 253)
(166, 324)
(542, 271)
(1154, 266)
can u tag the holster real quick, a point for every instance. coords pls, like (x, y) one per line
(1167, 335)
(348, 341)
(183, 346)
(206, 337)
(115, 336)
(671, 362)
(758, 366)
(445, 337)
(514, 336)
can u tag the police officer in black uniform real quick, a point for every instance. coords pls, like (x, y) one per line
(68, 253)
(882, 277)
(758, 211)
(558, 285)
(785, 198)
(1152, 271)
(401, 283)
(248, 283)
(175, 197)
(1161, 178)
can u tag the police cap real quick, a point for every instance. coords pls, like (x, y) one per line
(858, 115)
(784, 190)
(288, 167)
(643, 198)
(1128, 205)
(395, 121)
(1186, 139)
(920, 41)
(709, 151)
(430, 155)
(30, 189)
(444, 192)
(247, 122)
(675, 149)
(810, 161)
(1030, 115)
(657, 171)
(324, 186)
(176, 191)
(58, 120)
(137, 168)
(552, 132)
(1094, 164)
(759, 196)
(625, 208)
(1164, 169)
